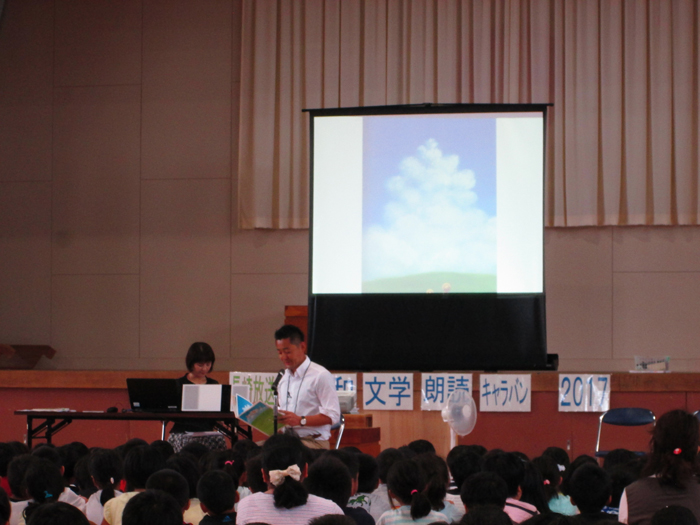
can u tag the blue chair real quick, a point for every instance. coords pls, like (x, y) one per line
(626, 417)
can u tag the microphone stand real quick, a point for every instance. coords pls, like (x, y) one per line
(275, 397)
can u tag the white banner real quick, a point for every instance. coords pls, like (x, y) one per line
(584, 392)
(347, 382)
(505, 393)
(254, 386)
(437, 387)
(387, 391)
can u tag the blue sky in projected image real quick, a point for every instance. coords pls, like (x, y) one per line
(388, 140)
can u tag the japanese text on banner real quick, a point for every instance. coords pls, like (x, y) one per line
(347, 382)
(584, 392)
(254, 386)
(505, 393)
(437, 387)
(387, 391)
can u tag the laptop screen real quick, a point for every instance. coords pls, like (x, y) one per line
(154, 395)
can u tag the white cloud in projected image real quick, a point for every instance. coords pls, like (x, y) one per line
(431, 221)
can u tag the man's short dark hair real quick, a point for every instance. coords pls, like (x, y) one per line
(329, 478)
(173, 483)
(291, 332)
(590, 488)
(152, 507)
(217, 491)
(484, 488)
(507, 465)
(200, 353)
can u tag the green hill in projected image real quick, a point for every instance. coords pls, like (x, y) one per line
(421, 283)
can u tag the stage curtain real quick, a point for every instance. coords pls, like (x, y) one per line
(622, 75)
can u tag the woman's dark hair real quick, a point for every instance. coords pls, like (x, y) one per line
(279, 453)
(44, 484)
(199, 353)
(253, 468)
(107, 471)
(187, 466)
(139, 464)
(5, 508)
(674, 448)
(436, 477)
(57, 513)
(407, 483)
(551, 478)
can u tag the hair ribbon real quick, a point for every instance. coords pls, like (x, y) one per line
(547, 482)
(414, 491)
(677, 451)
(47, 494)
(277, 476)
(228, 462)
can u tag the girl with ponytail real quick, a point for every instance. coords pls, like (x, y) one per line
(44, 483)
(672, 471)
(106, 471)
(407, 486)
(285, 501)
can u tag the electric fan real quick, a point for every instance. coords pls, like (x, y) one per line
(460, 413)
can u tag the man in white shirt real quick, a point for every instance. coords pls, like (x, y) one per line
(308, 401)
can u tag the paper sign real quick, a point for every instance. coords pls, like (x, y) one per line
(505, 393)
(584, 392)
(387, 391)
(347, 382)
(258, 385)
(437, 387)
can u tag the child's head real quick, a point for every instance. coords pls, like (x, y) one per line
(348, 459)
(421, 446)
(185, 465)
(329, 478)
(216, 491)
(551, 478)
(57, 513)
(284, 464)
(590, 488)
(152, 507)
(5, 508)
(368, 476)
(486, 515)
(437, 478)
(107, 471)
(406, 483)
(463, 462)
(15, 474)
(43, 480)
(509, 467)
(253, 469)
(484, 488)
(385, 460)
(173, 483)
(139, 464)
(674, 515)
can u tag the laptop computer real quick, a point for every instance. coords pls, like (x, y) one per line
(154, 395)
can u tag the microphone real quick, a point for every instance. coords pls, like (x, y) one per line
(277, 380)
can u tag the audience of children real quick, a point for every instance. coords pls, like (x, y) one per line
(285, 483)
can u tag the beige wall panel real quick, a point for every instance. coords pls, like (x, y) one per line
(624, 364)
(659, 249)
(257, 310)
(270, 251)
(656, 314)
(185, 266)
(25, 264)
(96, 180)
(26, 50)
(186, 89)
(578, 283)
(98, 43)
(94, 317)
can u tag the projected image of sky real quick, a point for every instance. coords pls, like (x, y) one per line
(429, 204)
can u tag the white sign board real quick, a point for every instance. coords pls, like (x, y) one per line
(505, 393)
(584, 392)
(387, 391)
(347, 382)
(254, 386)
(437, 387)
